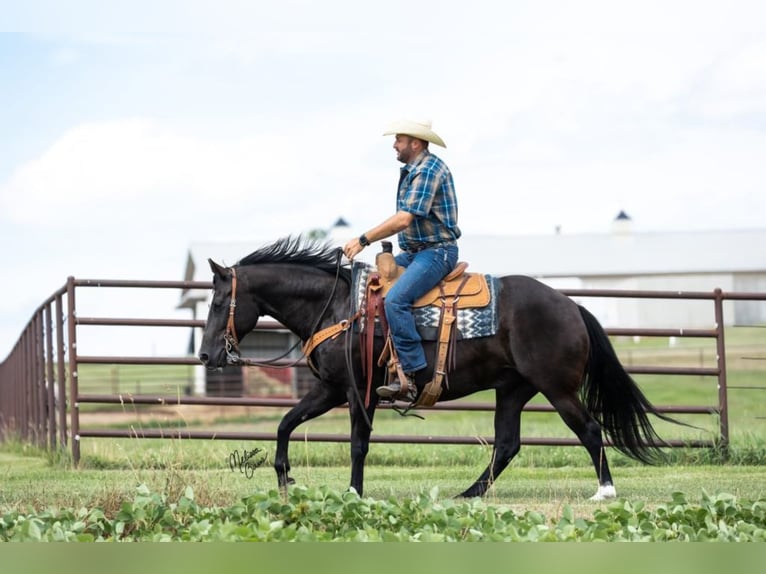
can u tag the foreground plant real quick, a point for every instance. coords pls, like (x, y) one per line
(320, 514)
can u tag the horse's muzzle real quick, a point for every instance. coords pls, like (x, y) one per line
(215, 362)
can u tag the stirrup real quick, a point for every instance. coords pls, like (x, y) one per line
(411, 395)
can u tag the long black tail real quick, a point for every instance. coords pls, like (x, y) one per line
(613, 398)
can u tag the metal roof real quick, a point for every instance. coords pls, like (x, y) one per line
(622, 253)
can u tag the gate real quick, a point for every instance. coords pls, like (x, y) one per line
(40, 396)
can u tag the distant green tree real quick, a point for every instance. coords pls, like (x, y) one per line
(317, 234)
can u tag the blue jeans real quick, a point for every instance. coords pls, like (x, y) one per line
(423, 271)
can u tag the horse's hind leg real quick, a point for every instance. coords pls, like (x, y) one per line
(320, 399)
(588, 430)
(509, 404)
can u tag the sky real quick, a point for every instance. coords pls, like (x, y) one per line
(130, 130)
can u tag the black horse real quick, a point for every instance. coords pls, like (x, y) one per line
(545, 343)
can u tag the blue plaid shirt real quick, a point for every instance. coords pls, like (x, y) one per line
(426, 190)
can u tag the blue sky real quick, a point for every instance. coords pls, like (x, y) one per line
(153, 125)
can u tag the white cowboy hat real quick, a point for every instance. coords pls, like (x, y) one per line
(421, 130)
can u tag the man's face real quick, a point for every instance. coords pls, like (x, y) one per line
(404, 146)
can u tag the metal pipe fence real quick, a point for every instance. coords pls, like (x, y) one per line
(40, 391)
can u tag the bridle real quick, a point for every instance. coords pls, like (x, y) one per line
(231, 340)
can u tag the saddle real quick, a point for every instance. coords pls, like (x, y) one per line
(470, 289)
(458, 290)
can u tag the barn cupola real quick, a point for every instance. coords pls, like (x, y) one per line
(340, 232)
(622, 224)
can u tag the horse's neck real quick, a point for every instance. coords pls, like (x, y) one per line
(296, 297)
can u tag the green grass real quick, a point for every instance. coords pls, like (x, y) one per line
(544, 478)
(31, 482)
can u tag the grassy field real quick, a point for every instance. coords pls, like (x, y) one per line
(31, 481)
(543, 478)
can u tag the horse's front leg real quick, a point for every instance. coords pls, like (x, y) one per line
(320, 399)
(361, 427)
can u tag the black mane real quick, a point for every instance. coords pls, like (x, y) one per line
(300, 251)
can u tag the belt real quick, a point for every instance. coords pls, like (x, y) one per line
(423, 246)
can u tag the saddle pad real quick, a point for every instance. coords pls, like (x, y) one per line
(471, 322)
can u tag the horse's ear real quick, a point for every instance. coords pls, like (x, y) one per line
(217, 269)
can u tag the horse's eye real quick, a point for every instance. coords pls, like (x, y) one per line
(215, 302)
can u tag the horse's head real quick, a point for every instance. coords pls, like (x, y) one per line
(229, 318)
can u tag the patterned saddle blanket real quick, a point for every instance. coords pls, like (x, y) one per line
(476, 314)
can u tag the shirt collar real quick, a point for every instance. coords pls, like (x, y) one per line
(417, 161)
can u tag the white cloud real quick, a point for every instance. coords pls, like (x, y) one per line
(141, 165)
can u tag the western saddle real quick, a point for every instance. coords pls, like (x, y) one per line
(457, 290)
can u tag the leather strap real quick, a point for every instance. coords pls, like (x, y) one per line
(231, 333)
(403, 380)
(327, 333)
(373, 306)
(433, 389)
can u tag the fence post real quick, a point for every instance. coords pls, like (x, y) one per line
(723, 400)
(49, 359)
(41, 428)
(73, 387)
(25, 399)
(61, 368)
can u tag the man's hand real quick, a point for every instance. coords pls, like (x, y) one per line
(352, 248)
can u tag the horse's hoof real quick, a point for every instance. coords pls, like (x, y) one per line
(603, 493)
(283, 483)
(471, 493)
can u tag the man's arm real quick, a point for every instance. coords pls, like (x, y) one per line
(394, 224)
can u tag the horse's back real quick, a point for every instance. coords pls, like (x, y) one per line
(541, 323)
(519, 292)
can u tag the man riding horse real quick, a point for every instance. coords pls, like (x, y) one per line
(426, 226)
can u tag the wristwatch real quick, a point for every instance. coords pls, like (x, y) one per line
(363, 241)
